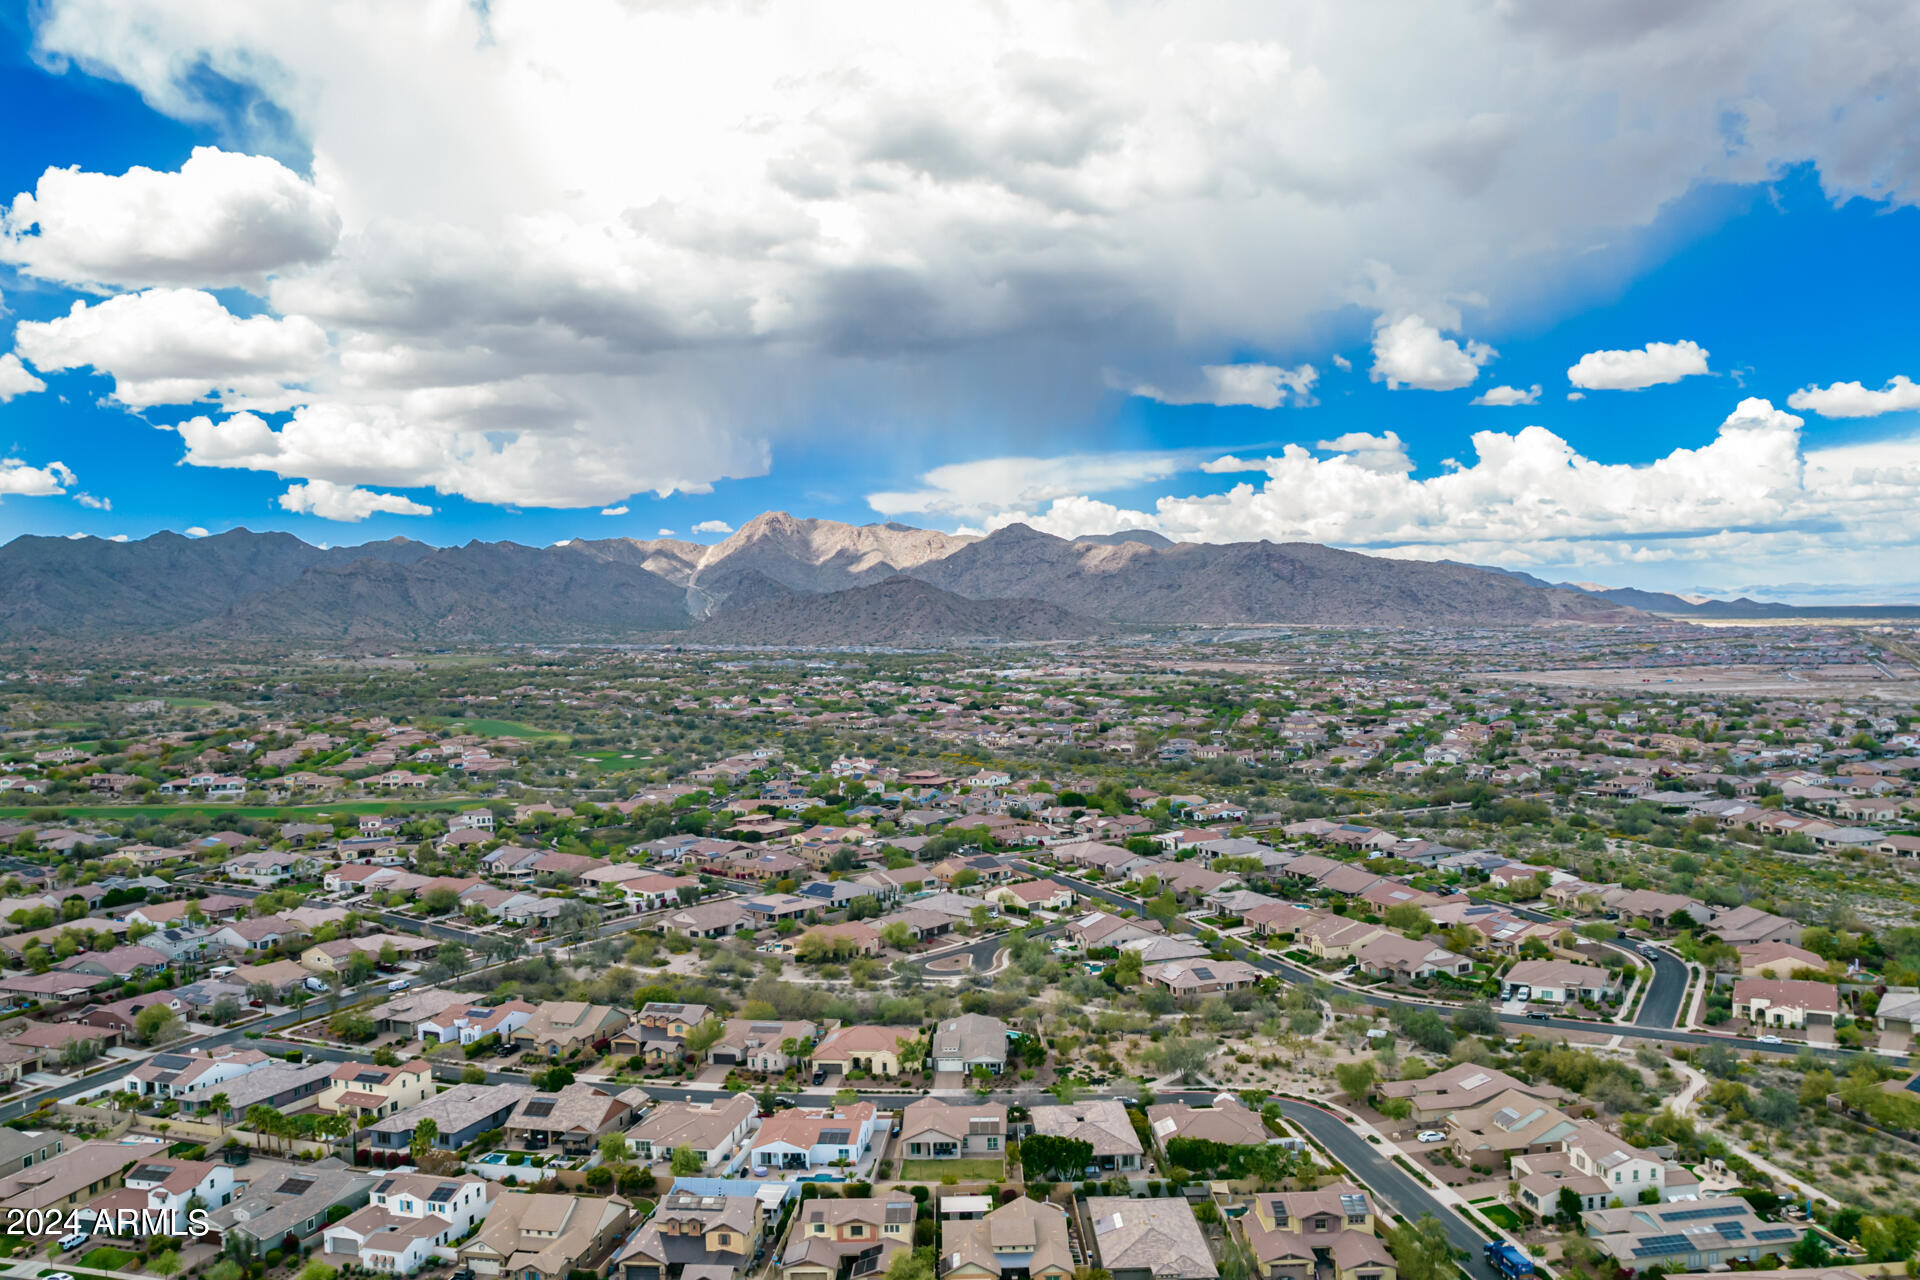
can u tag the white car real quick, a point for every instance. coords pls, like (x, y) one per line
(1432, 1135)
(1769, 1039)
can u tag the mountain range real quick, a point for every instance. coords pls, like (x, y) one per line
(778, 580)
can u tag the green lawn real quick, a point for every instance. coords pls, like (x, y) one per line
(503, 729)
(967, 1170)
(1501, 1216)
(108, 1258)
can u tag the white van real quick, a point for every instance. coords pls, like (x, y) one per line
(398, 984)
(69, 1243)
(315, 984)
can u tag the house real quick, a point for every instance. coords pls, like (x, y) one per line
(832, 1239)
(468, 1023)
(1228, 1122)
(1556, 982)
(540, 1236)
(1034, 895)
(1023, 1237)
(408, 1216)
(715, 1131)
(461, 1114)
(75, 1177)
(1460, 1087)
(1682, 1235)
(1202, 977)
(813, 1138)
(1294, 1234)
(568, 1026)
(1745, 926)
(1896, 1019)
(708, 920)
(369, 1091)
(934, 1129)
(282, 1200)
(714, 1236)
(169, 1075)
(658, 1033)
(851, 938)
(1777, 960)
(969, 1042)
(269, 867)
(874, 1050)
(1149, 1239)
(766, 1047)
(1389, 955)
(572, 1119)
(1100, 1122)
(1508, 1124)
(283, 1086)
(24, 1148)
(1626, 1171)
(1786, 1002)
(1103, 929)
(1331, 937)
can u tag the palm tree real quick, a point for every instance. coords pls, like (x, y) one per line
(218, 1104)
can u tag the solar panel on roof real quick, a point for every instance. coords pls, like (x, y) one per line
(540, 1108)
(294, 1187)
(445, 1191)
(1657, 1246)
(833, 1137)
(1353, 1205)
(174, 1061)
(1203, 973)
(1731, 1230)
(1776, 1233)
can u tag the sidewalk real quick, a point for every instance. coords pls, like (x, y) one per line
(1697, 1083)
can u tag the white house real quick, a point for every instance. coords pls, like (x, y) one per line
(170, 1184)
(406, 1216)
(814, 1137)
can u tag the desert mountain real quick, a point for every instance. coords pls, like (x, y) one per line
(898, 612)
(781, 578)
(1241, 582)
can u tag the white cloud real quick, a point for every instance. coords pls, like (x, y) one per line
(222, 219)
(896, 218)
(1576, 395)
(194, 531)
(175, 346)
(98, 504)
(15, 380)
(981, 489)
(1851, 400)
(332, 501)
(1259, 386)
(1343, 364)
(664, 533)
(1508, 396)
(119, 537)
(1651, 365)
(614, 511)
(18, 479)
(1410, 352)
(713, 526)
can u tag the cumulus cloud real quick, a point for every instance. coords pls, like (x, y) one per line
(175, 346)
(1343, 364)
(1651, 365)
(194, 531)
(713, 526)
(222, 219)
(664, 533)
(1851, 400)
(19, 479)
(89, 500)
(892, 217)
(614, 511)
(15, 379)
(332, 501)
(1410, 352)
(978, 490)
(1749, 496)
(1259, 386)
(1506, 396)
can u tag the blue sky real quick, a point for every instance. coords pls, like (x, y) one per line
(355, 272)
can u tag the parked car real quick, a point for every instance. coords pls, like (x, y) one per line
(1769, 1039)
(1432, 1135)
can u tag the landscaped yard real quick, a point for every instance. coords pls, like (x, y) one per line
(1501, 1216)
(971, 1170)
(107, 1258)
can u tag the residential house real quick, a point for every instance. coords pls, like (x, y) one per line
(569, 1026)
(1556, 982)
(1149, 1239)
(461, 1114)
(1786, 1002)
(1187, 978)
(972, 1041)
(1100, 1122)
(282, 1200)
(281, 1086)
(1228, 1122)
(1022, 1238)
(574, 1119)
(935, 1129)
(169, 1075)
(845, 1239)
(76, 1176)
(813, 1137)
(1745, 926)
(370, 1091)
(1777, 960)
(710, 1236)
(408, 1217)
(541, 1236)
(1687, 1236)
(1297, 1235)
(714, 1131)
(1460, 1087)
(1508, 1124)
(658, 1033)
(766, 1047)
(24, 1148)
(874, 1050)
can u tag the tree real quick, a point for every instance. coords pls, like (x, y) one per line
(553, 1080)
(218, 1104)
(703, 1037)
(1126, 970)
(153, 1023)
(896, 935)
(1164, 907)
(686, 1162)
(911, 1264)
(439, 900)
(1183, 1056)
(224, 1010)
(1422, 1251)
(168, 1263)
(1043, 1156)
(455, 958)
(473, 1075)
(425, 1133)
(1569, 1206)
(1354, 1079)
(351, 1024)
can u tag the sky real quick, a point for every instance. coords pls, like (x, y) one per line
(1614, 293)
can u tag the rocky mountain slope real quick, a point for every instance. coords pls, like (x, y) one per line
(783, 579)
(898, 612)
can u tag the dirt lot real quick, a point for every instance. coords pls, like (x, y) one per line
(1757, 678)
